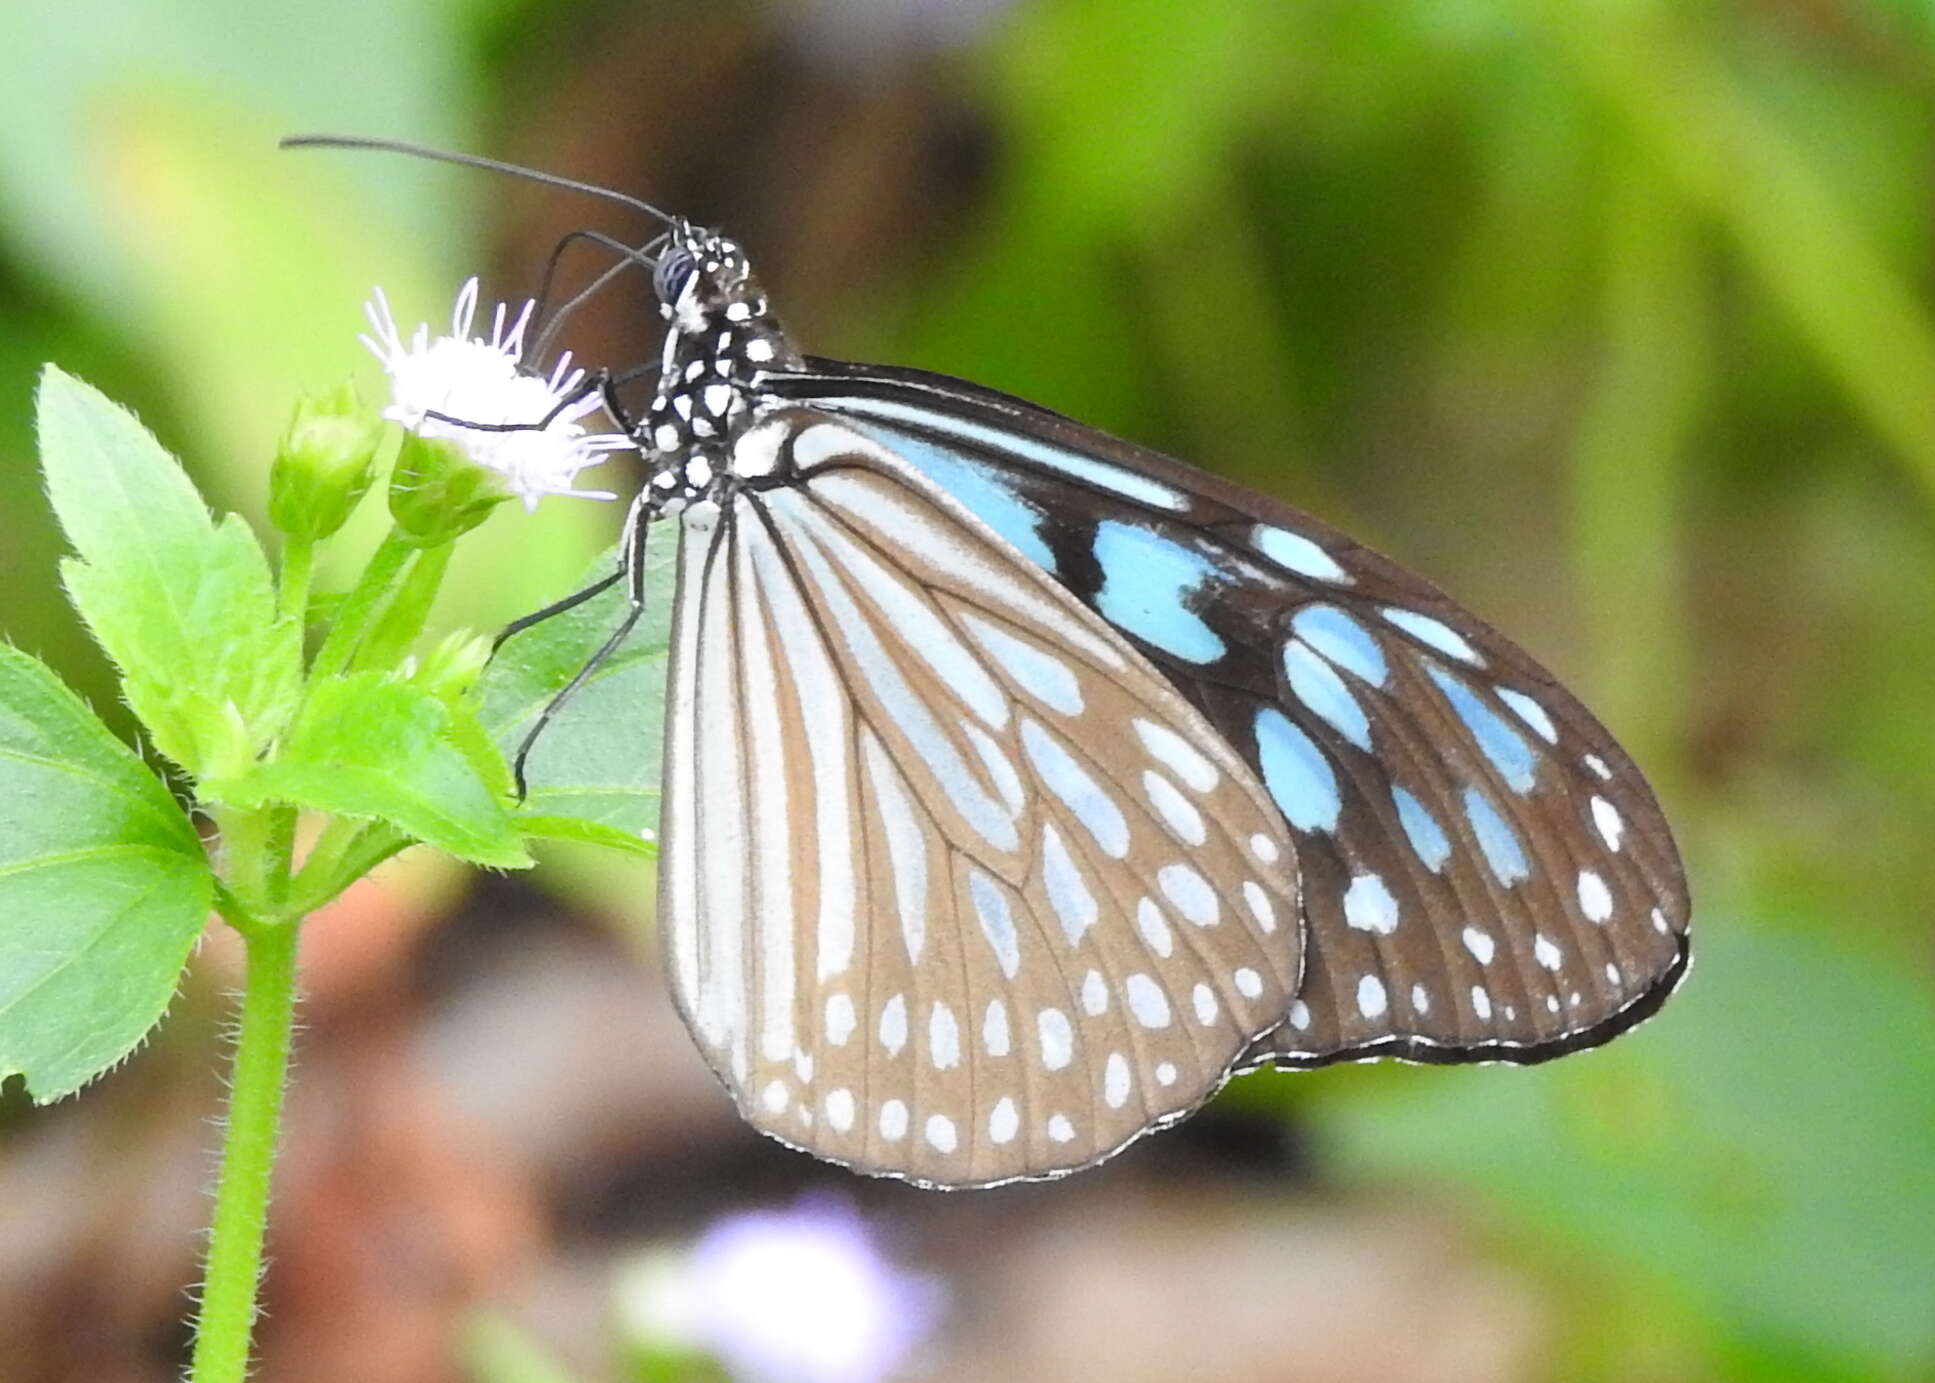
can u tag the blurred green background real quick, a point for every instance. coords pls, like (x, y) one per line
(1615, 318)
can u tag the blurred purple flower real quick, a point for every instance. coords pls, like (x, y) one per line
(801, 1295)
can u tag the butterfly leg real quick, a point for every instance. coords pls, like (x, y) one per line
(634, 568)
(595, 383)
(601, 382)
(556, 607)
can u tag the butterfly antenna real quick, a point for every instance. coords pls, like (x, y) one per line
(398, 146)
(555, 321)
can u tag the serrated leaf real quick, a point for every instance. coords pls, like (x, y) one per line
(367, 746)
(539, 826)
(598, 759)
(183, 605)
(103, 887)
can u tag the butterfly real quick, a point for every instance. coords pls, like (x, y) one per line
(1022, 785)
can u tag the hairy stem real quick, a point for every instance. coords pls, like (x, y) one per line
(228, 1310)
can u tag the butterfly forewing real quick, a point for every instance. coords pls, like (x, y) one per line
(956, 886)
(1482, 872)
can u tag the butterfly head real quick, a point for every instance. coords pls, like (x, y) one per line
(703, 278)
(720, 335)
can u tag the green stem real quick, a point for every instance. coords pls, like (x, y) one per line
(247, 854)
(280, 849)
(392, 633)
(248, 1153)
(298, 573)
(362, 603)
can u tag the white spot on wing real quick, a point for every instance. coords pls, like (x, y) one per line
(1154, 928)
(1115, 1080)
(940, 1133)
(893, 1024)
(1079, 792)
(1075, 907)
(1371, 1001)
(1369, 906)
(1039, 673)
(1595, 900)
(1178, 755)
(1260, 906)
(1190, 892)
(1529, 711)
(1436, 633)
(839, 1109)
(1480, 944)
(997, 922)
(1296, 553)
(1611, 825)
(1147, 1001)
(994, 1029)
(893, 1120)
(1057, 1038)
(1177, 811)
(840, 1020)
(906, 850)
(943, 1037)
(1003, 1121)
(1001, 769)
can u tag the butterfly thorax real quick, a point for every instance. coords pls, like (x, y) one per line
(720, 338)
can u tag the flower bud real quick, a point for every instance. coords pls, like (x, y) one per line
(451, 668)
(437, 493)
(325, 463)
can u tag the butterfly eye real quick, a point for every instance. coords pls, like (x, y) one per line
(674, 274)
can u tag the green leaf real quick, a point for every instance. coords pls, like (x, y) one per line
(368, 746)
(575, 828)
(103, 887)
(598, 759)
(184, 605)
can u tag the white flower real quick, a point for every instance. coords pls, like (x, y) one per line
(482, 381)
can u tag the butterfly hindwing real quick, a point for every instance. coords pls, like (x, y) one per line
(956, 886)
(1484, 874)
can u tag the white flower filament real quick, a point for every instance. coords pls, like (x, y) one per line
(482, 384)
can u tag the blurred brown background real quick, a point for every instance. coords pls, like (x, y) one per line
(1614, 317)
